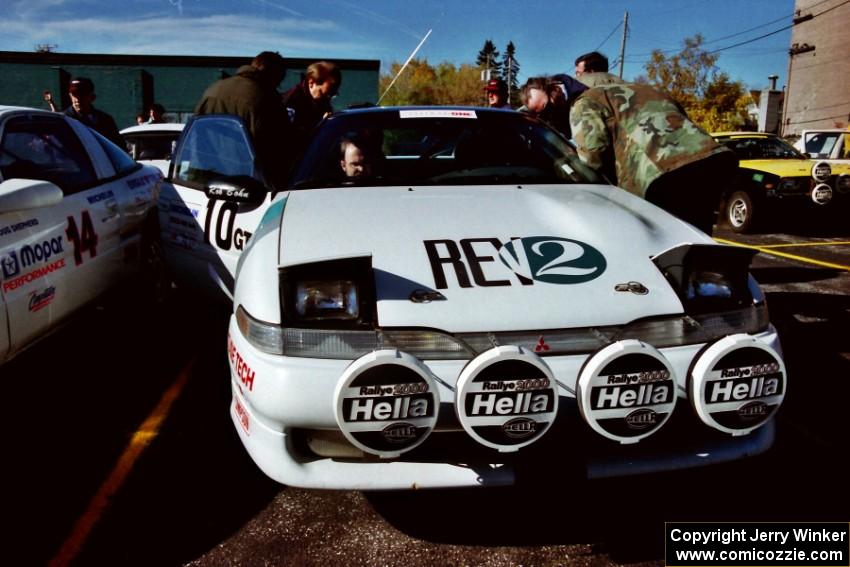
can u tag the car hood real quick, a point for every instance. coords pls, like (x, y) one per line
(503, 257)
(780, 167)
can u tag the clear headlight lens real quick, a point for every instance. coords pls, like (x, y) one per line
(707, 284)
(327, 300)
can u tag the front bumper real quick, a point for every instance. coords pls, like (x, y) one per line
(281, 403)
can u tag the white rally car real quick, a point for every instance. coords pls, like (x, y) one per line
(203, 232)
(77, 216)
(153, 144)
(458, 301)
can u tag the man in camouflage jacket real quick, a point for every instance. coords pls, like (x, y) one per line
(643, 141)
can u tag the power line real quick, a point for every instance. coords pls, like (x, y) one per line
(749, 30)
(817, 119)
(752, 40)
(609, 36)
(780, 29)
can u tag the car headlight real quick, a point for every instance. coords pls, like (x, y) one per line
(335, 294)
(327, 300)
(821, 171)
(708, 278)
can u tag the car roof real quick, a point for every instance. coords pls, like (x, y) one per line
(6, 109)
(744, 134)
(433, 109)
(161, 127)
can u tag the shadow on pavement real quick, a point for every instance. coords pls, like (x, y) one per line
(792, 275)
(196, 485)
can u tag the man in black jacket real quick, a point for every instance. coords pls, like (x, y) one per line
(310, 100)
(82, 108)
(251, 94)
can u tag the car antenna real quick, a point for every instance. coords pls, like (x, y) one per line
(400, 71)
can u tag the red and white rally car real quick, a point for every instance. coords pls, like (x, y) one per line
(77, 216)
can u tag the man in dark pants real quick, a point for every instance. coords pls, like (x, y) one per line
(82, 108)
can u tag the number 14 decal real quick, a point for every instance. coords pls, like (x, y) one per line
(82, 241)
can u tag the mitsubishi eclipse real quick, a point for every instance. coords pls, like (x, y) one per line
(447, 296)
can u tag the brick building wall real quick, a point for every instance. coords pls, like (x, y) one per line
(818, 89)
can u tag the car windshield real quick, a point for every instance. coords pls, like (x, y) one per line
(437, 147)
(151, 145)
(822, 144)
(761, 148)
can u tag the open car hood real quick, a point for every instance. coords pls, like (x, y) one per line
(502, 257)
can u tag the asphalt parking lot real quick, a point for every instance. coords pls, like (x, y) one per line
(121, 452)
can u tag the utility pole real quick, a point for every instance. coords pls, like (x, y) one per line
(623, 43)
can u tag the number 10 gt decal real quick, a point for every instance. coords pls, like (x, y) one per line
(222, 226)
(547, 259)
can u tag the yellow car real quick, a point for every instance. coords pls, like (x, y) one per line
(773, 175)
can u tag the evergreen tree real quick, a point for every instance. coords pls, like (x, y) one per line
(488, 57)
(510, 72)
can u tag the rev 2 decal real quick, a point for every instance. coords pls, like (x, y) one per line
(546, 259)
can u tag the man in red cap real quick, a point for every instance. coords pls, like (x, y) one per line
(82, 108)
(497, 94)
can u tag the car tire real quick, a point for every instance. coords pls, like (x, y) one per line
(739, 212)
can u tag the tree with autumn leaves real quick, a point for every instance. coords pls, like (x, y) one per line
(691, 77)
(424, 84)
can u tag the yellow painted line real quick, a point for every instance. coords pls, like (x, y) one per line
(146, 433)
(786, 255)
(806, 244)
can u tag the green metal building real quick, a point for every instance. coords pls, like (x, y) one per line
(126, 85)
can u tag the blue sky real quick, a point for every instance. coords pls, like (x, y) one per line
(548, 34)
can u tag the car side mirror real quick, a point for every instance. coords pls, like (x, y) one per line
(807, 155)
(21, 194)
(237, 189)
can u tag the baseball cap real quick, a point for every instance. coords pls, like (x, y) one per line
(81, 86)
(496, 85)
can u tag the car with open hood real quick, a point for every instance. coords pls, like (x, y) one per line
(450, 297)
(78, 217)
(776, 182)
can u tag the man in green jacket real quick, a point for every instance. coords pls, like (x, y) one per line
(251, 94)
(643, 141)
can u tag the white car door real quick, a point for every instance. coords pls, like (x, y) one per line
(55, 258)
(204, 237)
